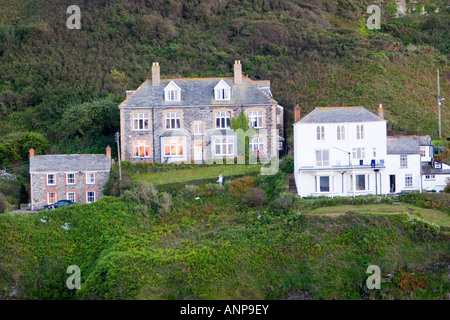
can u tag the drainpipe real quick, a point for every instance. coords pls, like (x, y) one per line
(153, 133)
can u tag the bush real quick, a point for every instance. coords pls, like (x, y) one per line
(287, 165)
(255, 197)
(283, 203)
(3, 203)
(447, 187)
(146, 195)
(112, 187)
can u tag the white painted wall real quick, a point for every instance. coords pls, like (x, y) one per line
(306, 144)
(413, 167)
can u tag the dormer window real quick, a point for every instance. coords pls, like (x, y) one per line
(172, 92)
(222, 91)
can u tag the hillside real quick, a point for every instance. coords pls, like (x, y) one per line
(316, 53)
(231, 243)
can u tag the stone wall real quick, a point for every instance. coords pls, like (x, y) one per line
(39, 187)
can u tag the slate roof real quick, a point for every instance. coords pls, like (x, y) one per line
(403, 145)
(70, 163)
(339, 114)
(200, 92)
(428, 169)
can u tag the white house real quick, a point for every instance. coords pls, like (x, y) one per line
(345, 151)
(340, 151)
(403, 164)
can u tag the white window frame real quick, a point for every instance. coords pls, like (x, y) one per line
(89, 175)
(172, 92)
(360, 132)
(255, 117)
(54, 179)
(88, 197)
(140, 121)
(173, 121)
(74, 178)
(408, 181)
(257, 143)
(319, 185)
(137, 144)
(320, 131)
(71, 193)
(222, 91)
(198, 127)
(403, 161)
(320, 161)
(223, 142)
(340, 132)
(359, 153)
(174, 144)
(224, 118)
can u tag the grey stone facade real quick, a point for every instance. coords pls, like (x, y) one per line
(197, 105)
(91, 172)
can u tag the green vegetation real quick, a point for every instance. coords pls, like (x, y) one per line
(196, 173)
(151, 244)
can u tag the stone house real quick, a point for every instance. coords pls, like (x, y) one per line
(188, 119)
(77, 177)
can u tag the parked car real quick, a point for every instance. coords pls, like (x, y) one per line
(60, 203)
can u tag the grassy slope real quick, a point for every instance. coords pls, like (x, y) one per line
(195, 173)
(216, 248)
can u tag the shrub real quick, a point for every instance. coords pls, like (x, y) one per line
(255, 197)
(283, 203)
(239, 187)
(287, 165)
(3, 203)
(146, 195)
(113, 186)
(447, 187)
(273, 185)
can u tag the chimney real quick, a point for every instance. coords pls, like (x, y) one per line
(108, 151)
(237, 72)
(31, 153)
(156, 81)
(381, 111)
(296, 113)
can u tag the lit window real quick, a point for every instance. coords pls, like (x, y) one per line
(71, 196)
(90, 196)
(173, 121)
(322, 158)
(70, 178)
(255, 119)
(223, 146)
(51, 197)
(141, 148)
(140, 121)
(90, 178)
(408, 181)
(403, 161)
(173, 147)
(51, 179)
(222, 120)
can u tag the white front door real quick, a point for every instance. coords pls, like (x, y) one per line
(198, 151)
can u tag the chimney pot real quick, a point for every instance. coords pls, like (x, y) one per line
(381, 111)
(297, 113)
(156, 80)
(31, 153)
(108, 151)
(237, 72)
